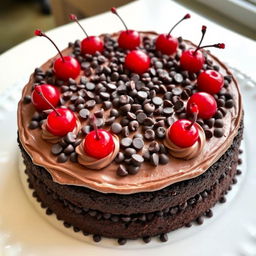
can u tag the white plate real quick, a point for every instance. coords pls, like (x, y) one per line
(24, 230)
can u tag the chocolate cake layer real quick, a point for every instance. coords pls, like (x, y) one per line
(136, 215)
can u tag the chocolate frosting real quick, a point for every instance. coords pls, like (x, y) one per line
(188, 152)
(149, 178)
(94, 163)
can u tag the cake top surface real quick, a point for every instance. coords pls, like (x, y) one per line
(138, 110)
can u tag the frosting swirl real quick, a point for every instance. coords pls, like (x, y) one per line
(46, 135)
(188, 152)
(94, 163)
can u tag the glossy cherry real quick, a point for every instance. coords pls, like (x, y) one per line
(193, 60)
(99, 143)
(61, 121)
(166, 43)
(210, 81)
(137, 61)
(205, 102)
(183, 133)
(128, 39)
(64, 67)
(90, 44)
(50, 92)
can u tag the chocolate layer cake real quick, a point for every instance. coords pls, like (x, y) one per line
(144, 187)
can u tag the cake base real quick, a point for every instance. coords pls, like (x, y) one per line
(210, 187)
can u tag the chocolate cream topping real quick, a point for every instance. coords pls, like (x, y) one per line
(188, 152)
(149, 178)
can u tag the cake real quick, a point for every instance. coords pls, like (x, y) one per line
(150, 177)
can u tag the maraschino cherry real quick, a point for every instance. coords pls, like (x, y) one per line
(166, 43)
(128, 39)
(61, 120)
(64, 67)
(205, 102)
(91, 44)
(210, 81)
(193, 60)
(50, 92)
(183, 133)
(98, 143)
(137, 61)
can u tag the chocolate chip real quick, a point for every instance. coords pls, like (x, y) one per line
(125, 131)
(33, 125)
(133, 126)
(218, 132)
(163, 238)
(86, 129)
(56, 149)
(178, 106)
(138, 143)
(163, 159)
(132, 169)
(107, 105)
(119, 157)
(96, 238)
(223, 111)
(137, 159)
(126, 142)
(124, 99)
(70, 137)
(27, 99)
(146, 239)
(110, 120)
(229, 103)
(62, 158)
(69, 149)
(129, 152)
(169, 121)
(73, 157)
(149, 134)
(219, 123)
(149, 108)
(121, 171)
(157, 101)
(148, 121)
(116, 128)
(168, 111)
(160, 132)
(90, 104)
(80, 100)
(142, 95)
(154, 159)
(154, 147)
(208, 133)
(141, 117)
(122, 241)
(111, 87)
(125, 108)
(178, 78)
(114, 112)
(210, 122)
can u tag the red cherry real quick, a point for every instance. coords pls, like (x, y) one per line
(91, 45)
(51, 94)
(192, 61)
(210, 81)
(101, 146)
(61, 121)
(66, 68)
(128, 39)
(183, 133)
(166, 43)
(137, 61)
(205, 102)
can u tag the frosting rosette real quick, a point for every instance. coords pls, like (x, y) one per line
(188, 152)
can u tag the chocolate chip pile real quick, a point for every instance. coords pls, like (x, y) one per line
(137, 108)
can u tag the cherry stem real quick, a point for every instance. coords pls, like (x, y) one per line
(40, 33)
(95, 128)
(219, 45)
(74, 18)
(40, 93)
(187, 16)
(203, 33)
(114, 11)
(194, 109)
